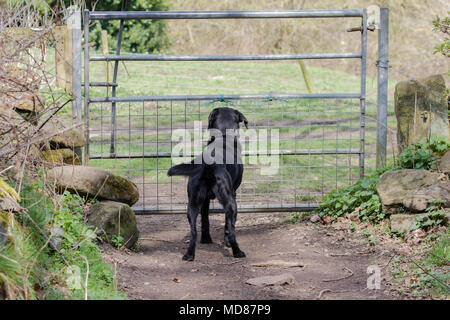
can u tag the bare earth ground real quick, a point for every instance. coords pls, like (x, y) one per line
(334, 261)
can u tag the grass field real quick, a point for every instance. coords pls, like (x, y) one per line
(307, 126)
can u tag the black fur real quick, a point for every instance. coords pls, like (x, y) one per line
(210, 181)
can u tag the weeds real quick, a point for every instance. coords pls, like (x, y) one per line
(434, 217)
(361, 197)
(424, 155)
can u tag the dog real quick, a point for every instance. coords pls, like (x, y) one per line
(212, 175)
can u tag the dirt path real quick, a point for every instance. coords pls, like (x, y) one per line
(157, 271)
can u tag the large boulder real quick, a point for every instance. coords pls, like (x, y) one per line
(418, 200)
(114, 219)
(394, 187)
(68, 139)
(421, 110)
(444, 164)
(94, 182)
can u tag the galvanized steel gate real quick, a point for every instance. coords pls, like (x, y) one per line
(321, 136)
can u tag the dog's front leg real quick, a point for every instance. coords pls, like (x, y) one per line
(192, 213)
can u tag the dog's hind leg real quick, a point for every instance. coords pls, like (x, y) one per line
(226, 242)
(192, 213)
(225, 195)
(206, 237)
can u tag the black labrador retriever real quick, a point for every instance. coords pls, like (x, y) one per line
(216, 176)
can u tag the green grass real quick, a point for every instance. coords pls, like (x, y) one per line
(30, 263)
(302, 124)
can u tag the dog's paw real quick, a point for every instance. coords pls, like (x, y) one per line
(239, 254)
(206, 239)
(188, 257)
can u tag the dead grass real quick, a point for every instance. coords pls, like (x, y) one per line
(411, 37)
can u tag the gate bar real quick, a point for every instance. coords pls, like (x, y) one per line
(299, 152)
(114, 15)
(241, 209)
(158, 57)
(274, 96)
(362, 124)
(114, 88)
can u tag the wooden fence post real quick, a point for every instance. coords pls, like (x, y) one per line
(74, 56)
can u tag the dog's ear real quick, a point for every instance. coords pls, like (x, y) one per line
(242, 118)
(212, 117)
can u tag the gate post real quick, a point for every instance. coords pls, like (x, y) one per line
(74, 24)
(382, 97)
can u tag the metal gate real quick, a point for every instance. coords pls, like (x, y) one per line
(321, 136)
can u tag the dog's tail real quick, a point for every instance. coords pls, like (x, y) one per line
(184, 169)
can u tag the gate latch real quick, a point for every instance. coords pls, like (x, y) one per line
(373, 20)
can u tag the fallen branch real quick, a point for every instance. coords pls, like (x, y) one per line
(342, 278)
(322, 292)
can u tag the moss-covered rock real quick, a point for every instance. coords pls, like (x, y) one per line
(114, 219)
(68, 139)
(94, 182)
(421, 110)
(61, 156)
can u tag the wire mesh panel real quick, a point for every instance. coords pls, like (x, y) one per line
(304, 148)
(296, 149)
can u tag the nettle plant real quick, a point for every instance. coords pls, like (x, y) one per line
(424, 155)
(361, 198)
(435, 216)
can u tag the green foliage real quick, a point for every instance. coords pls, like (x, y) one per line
(435, 216)
(361, 197)
(31, 260)
(117, 241)
(443, 26)
(433, 275)
(424, 155)
(138, 35)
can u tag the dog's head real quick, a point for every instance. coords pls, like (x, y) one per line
(226, 118)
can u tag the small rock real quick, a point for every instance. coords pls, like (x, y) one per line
(327, 220)
(115, 218)
(403, 222)
(315, 218)
(282, 279)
